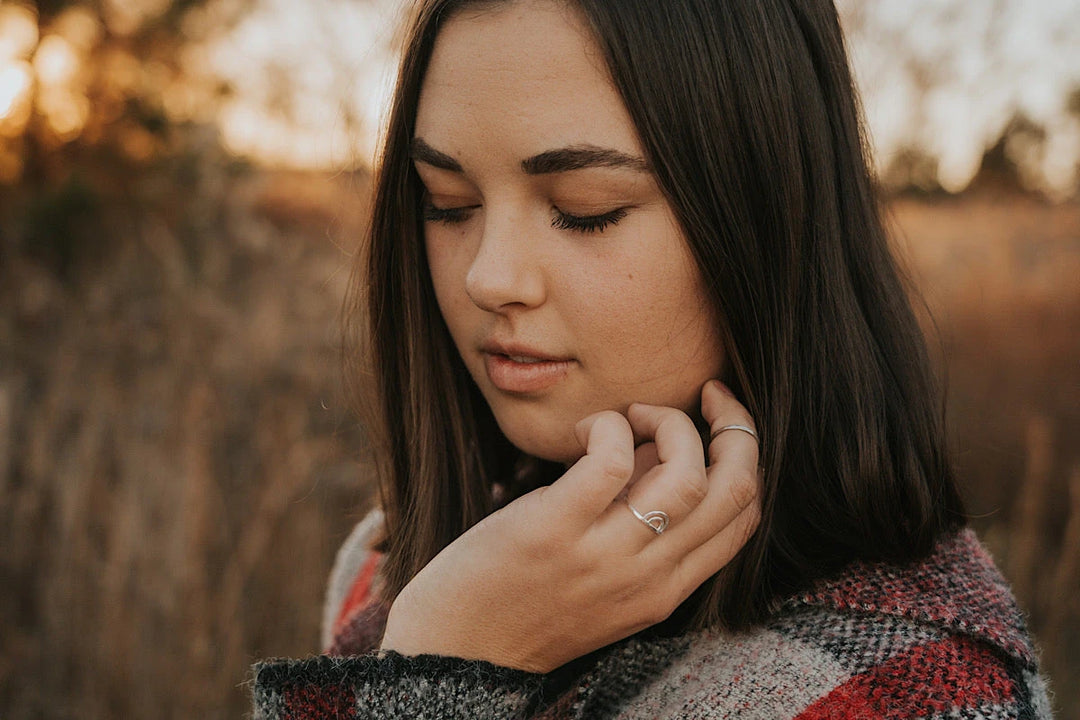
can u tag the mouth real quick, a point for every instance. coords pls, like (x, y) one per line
(523, 370)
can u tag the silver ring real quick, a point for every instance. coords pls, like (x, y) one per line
(742, 428)
(657, 520)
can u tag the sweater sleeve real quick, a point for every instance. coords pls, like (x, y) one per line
(351, 557)
(392, 686)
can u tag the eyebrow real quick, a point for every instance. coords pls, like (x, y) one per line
(422, 152)
(576, 157)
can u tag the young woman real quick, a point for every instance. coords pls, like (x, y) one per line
(659, 434)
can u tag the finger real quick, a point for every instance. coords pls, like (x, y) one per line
(720, 409)
(677, 483)
(608, 531)
(590, 485)
(645, 459)
(707, 559)
(672, 431)
(733, 483)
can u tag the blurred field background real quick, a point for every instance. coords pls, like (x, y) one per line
(182, 183)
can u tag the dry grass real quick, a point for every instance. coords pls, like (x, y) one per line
(1000, 275)
(176, 466)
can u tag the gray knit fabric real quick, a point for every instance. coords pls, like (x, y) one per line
(937, 639)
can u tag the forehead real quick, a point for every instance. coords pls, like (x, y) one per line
(520, 77)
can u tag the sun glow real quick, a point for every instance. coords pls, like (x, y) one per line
(306, 84)
(18, 37)
(16, 80)
(56, 62)
(18, 32)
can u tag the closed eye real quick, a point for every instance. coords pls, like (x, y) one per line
(587, 223)
(561, 220)
(449, 215)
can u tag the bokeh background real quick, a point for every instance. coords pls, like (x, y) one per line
(182, 185)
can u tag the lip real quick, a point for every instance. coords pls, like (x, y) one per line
(519, 369)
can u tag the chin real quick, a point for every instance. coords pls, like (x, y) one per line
(546, 441)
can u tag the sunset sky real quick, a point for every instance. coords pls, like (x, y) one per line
(982, 60)
(311, 78)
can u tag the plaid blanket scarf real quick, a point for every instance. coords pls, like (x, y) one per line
(942, 638)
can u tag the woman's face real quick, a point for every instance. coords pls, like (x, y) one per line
(559, 268)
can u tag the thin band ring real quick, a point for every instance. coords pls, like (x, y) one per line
(657, 520)
(742, 428)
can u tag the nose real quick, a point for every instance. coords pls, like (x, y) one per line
(506, 271)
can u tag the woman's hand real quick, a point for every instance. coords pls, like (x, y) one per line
(568, 569)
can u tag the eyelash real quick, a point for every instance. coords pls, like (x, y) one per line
(587, 223)
(450, 216)
(560, 221)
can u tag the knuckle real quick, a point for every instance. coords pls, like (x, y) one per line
(752, 524)
(669, 414)
(691, 488)
(753, 519)
(669, 603)
(659, 611)
(617, 466)
(685, 584)
(743, 488)
(678, 421)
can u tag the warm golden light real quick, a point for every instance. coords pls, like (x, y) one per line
(65, 111)
(16, 90)
(305, 83)
(78, 26)
(125, 17)
(137, 144)
(187, 102)
(11, 164)
(122, 69)
(56, 61)
(18, 32)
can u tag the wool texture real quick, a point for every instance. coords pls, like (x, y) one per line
(941, 638)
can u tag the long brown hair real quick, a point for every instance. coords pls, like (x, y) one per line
(747, 113)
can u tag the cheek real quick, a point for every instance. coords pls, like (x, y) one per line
(448, 280)
(652, 329)
(650, 304)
